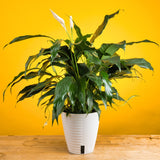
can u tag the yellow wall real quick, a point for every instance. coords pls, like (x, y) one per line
(139, 20)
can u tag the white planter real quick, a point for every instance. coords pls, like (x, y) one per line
(80, 132)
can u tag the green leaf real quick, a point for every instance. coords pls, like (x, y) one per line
(104, 98)
(121, 76)
(97, 80)
(126, 101)
(91, 58)
(54, 49)
(78, 30)
(36, 88)
(26, 89)
(111, 48)
(116, 95)
(115, 59)
(57, 109)
(41, 85)
(109, 99)
(81, 91)
(49, 93)
(141, 62)
(42, 61)
(107, 83)
(30, 76)
(54, 115)
(83, 69)
(32, 58)
(68, 42)
(44, 67)
(62, 88)
(102, 26)
(57, 64)
(50, 102)
(28, 94)
(20, 38)
(89, 100)
(14, 79)
(72, 93)
(146, 40)
(64, 52)
(97, 109)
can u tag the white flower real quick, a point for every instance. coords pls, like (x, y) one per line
(46, 123)
(71, 22)
(59, 19)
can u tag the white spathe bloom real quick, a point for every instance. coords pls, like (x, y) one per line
(71, 22)
(46, 123)
(59, 19)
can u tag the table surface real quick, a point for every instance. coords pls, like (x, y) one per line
(122, 147)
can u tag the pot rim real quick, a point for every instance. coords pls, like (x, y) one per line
(80, 113)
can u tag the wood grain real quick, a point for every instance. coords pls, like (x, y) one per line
(123, 147)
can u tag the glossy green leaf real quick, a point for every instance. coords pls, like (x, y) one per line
(64, 52)
(41, 85)
(91, 58)
(78, 30)
(28, 94)
(115, 59)
(54, 115)
(32, 58)
(50, 102)
(57, 64)
(42, 61)
(20, 38)
(43, 69)
(96, 79)
(141, 62)
(54, 49)
(107, 83)
(48, 93)
(29, 91)
(30, 76)
(62, 88)
(26, 89)
(102, 26)
(104, 98)
(89, 100)
(110, 100)
(72, 92)
(81, 91)
(14, 79)
(68, 42)
(146, 40)
(57, 109)
(83, 69)
(97, 109)
(111, 48)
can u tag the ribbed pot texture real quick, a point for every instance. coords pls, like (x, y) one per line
(80, 132)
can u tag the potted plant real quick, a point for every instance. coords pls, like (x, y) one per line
(85, 82)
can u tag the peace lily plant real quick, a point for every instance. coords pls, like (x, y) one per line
(89, 71)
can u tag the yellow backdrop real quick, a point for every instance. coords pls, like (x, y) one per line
(140, 19)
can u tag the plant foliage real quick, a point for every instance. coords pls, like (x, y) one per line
(88, 72)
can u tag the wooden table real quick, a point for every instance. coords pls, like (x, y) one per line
(130, 147)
